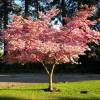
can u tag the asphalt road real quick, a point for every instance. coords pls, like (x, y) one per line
(43, 78)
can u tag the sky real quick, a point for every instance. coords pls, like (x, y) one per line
(18, 2)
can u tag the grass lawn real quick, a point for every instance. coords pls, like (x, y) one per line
(68, 91)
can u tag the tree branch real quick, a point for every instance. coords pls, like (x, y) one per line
(45, 68)
(53, 68)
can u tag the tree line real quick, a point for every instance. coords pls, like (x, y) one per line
(10, 7)
(31, 7)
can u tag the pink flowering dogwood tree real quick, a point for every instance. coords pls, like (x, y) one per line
(35, 41)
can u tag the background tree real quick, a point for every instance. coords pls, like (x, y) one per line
(1, 14)
(6, 7)
(18, 8)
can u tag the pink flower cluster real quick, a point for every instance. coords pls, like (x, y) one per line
(32, 41)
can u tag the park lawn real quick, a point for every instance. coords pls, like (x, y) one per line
(68, 91)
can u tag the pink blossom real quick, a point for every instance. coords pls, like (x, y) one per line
(32, 41)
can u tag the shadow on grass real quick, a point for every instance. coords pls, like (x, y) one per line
(11, 98)
(37, 90)
(75, 98)
(42, 89)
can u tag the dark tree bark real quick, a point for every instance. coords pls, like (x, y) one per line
(36, 3)
(26, 8)
(5, 18)
(7, 7)
(27, 3)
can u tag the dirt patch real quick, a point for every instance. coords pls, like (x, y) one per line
(8, 85)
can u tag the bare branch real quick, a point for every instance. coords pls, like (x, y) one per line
(53, 68)
(45, 68)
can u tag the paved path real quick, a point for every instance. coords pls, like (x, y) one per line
(42, 78)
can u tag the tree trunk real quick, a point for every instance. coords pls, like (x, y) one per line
(5, 19)
(26, 8)
(50, 75)
(36, 3)
(51, 78)
(50, 82)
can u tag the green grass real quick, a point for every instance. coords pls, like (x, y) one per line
(68, 91)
